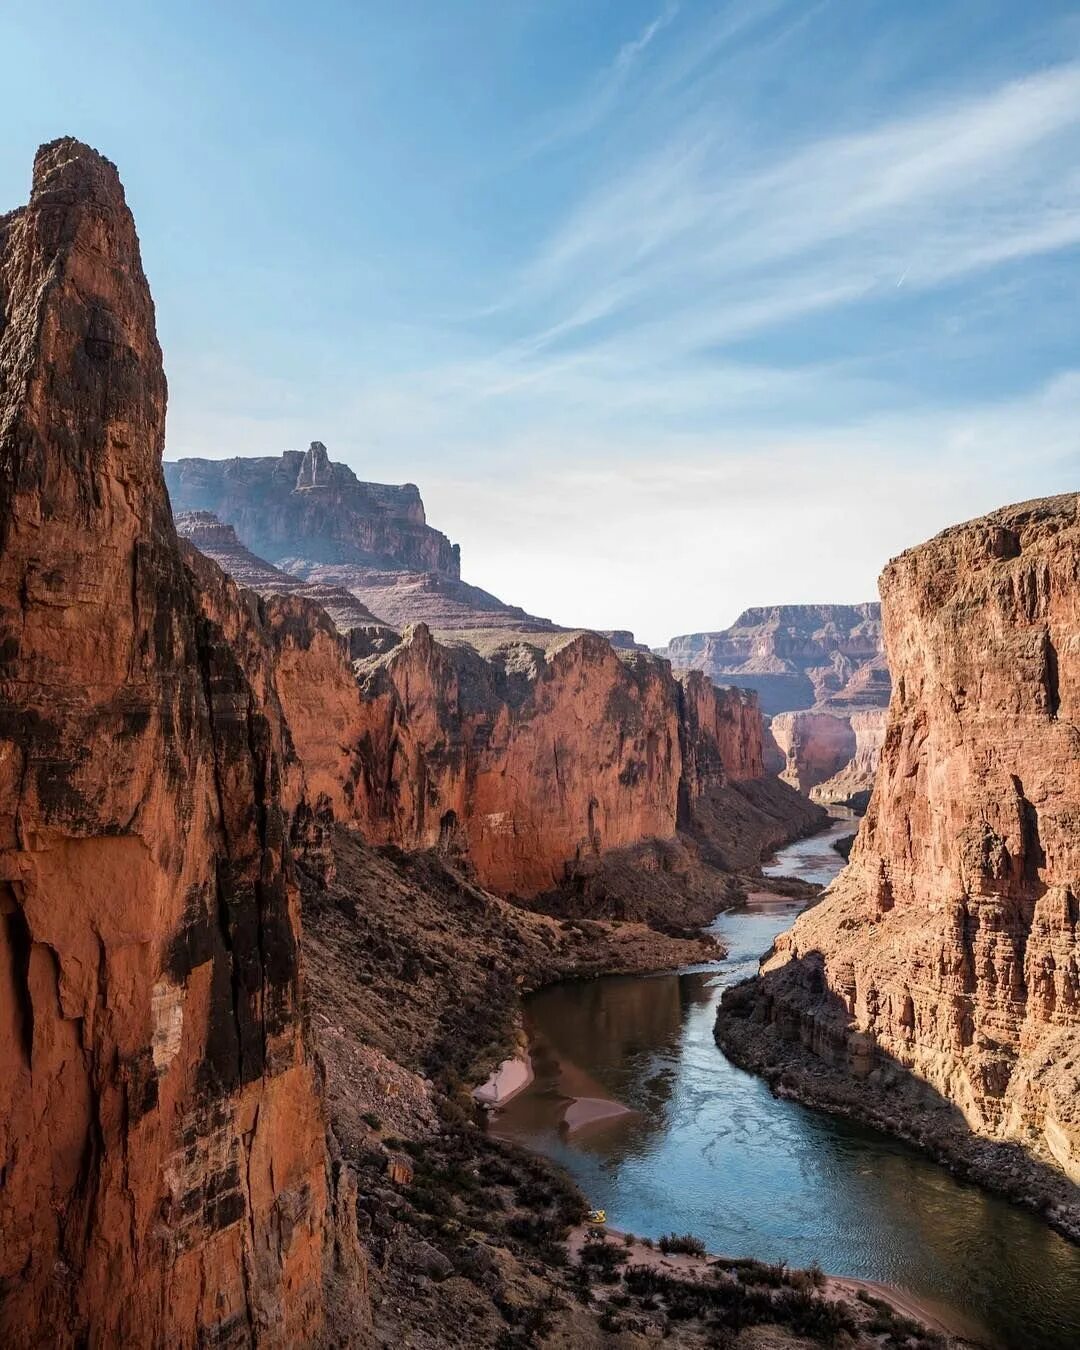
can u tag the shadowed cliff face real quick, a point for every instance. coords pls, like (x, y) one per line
(161, 1132)
(950, 945)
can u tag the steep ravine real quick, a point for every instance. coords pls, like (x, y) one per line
(683, 1140)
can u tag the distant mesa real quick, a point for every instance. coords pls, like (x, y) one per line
(309, 519)
(301, 505)
(822, 678)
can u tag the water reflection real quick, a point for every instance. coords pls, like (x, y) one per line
(704, 1147)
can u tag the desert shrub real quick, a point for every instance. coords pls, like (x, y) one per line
(683, 1244)
(604, 1257)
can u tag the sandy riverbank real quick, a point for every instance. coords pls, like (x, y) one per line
(511, 1077)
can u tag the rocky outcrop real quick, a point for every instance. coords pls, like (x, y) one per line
(317, 523)
(814, 746)
(853, 783)
(452, 609)
(817, 669)
(795, 656)
(535, 760)
(946, 955)
(162, 1137)
(537, 763)
(367, 633)
(303, 507)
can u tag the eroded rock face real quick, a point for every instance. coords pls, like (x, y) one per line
(534, 760)
(162, 1139)
(795, 656)
(334, 536)
(302, 506)
(853, 783)
(814, 746)
(218, 541)
(949, 946)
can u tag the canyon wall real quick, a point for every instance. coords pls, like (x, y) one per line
(527, 763)
(948, 949)
(533, 754)
(301, 506)
(814, 746)
(315, 521)
(534, 760)
(162, 1136)
(821, 675)
(795, 656)
(852, 784)
(218, 541)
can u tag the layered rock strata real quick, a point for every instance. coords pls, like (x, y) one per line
(946, 956)
(814, 746)
(533, 761)
(821, 675)
(366, 631)
(301, 505)
(314, 520)
(852, 784)
(162, 1137)
(795, 656)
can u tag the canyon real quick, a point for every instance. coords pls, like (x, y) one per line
(936, 989)
(548, 759)
(263, 875)
(292, 818)
(821, 676)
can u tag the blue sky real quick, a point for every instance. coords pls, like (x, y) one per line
(669, 308)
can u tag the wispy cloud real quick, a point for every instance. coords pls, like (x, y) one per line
(711, 378)
(605, 89)
(688, 230)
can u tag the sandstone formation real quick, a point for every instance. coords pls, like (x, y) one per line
(795, 656)
(814, 745)
(821, 675)
(301, 506)
(853, 783)
(162, 1135)
(366, 631)
(946, 955)
(535, 762)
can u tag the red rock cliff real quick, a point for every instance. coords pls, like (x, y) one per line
(949, 946)
(161, 1132)
(528, 762)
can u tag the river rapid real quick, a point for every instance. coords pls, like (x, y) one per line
(633, 1097)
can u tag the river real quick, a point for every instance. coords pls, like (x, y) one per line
(704, 1147)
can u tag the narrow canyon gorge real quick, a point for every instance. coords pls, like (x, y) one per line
(295, 820)
(821, 675)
